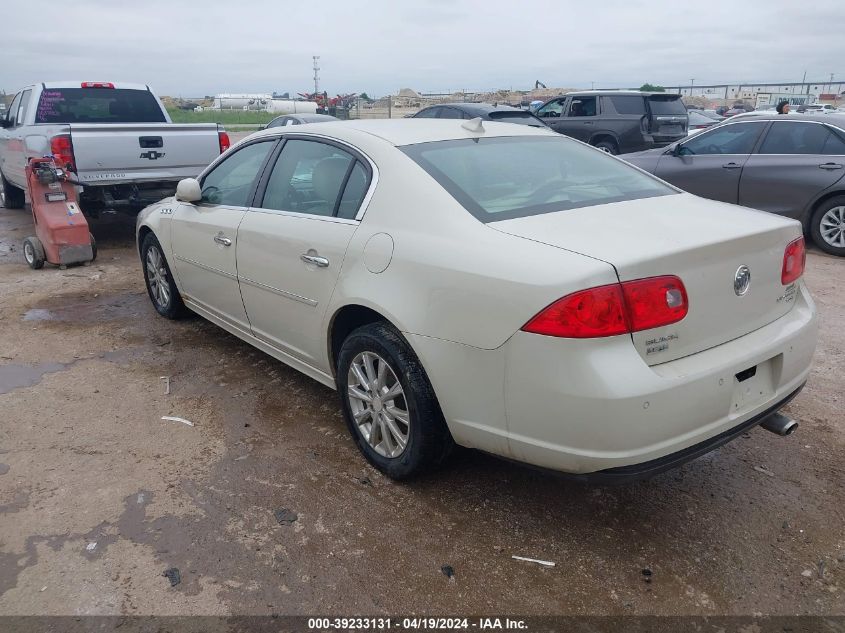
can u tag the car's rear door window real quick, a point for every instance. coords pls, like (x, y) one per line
(793, 137)
(834, 145)
(736, 138)
(308, 177)
(501, 178)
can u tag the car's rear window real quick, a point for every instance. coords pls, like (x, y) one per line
(667, 105)
(98, 105)
(511, 177)
(515, 116)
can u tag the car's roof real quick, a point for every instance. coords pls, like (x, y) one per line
(400, 132)
(834, 118)
(306, 116)
(484, 108)
(583, 93)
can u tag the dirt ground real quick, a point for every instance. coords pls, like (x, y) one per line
(99, 495)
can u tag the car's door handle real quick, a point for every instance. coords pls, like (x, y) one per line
(588, 123)
(731, 166)
(222, 240)
(322, 262)
(830, 166)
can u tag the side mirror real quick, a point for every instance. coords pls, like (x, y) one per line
(188, 190)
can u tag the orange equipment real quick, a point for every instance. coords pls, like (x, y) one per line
(61, 231)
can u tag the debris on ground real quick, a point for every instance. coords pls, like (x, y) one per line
(166, 381)
(91, 546)
(807, 573)
(647, 574)
(175, 419)
(173, 576)
(544, 563)
(285, 516)
(448, 571)
(364, 481)
(764, 470)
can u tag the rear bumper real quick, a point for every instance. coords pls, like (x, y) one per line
(644, 470)
(584, 406)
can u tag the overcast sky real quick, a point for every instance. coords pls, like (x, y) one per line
(379, 46)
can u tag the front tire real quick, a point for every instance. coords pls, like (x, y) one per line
(389, 403)
(159, 280)
(827, 226)
(33, 253)
(10, 196)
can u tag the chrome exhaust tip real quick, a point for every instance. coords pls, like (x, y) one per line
(779, 424)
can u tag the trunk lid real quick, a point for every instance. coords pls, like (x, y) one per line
(142, 152)
(701, 241)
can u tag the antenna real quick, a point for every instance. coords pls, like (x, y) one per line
(474, 125)
(316, 59)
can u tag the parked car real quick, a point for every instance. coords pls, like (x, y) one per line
(790, 165)
(618, 122)
(115, 139)
(819, 108)
(500, 287)
(698, 122)
(299, 119)
(486, 111)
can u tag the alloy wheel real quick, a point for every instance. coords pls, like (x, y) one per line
(378, 404)
(832, 227)
(28, 251)
(157, 277)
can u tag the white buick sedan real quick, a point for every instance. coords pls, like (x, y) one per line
(497, 286)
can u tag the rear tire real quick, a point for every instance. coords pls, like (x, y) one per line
(397, 423)
(10, 196)
(827, 226)
(33, 252)
(159, 280)
(607, 146)
(93, 247)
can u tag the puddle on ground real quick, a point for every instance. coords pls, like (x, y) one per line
(89, 309)
(16, 376)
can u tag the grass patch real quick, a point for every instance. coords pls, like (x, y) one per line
(224, 117)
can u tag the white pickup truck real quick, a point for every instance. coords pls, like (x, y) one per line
(116, 139)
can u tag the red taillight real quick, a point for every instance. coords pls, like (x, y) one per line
(97, 84)
(632, 306)
(224, 141)
(794, 258)
(62, 149)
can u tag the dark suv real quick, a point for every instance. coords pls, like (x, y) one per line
(618, 122)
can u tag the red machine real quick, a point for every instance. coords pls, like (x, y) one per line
(62, 235)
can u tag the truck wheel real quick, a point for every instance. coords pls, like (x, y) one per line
(159, 280)
(10, 196)
(93, 247)
(607, 146)
(827, 226)
(33, 252)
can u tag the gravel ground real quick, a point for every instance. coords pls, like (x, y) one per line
(99, 495)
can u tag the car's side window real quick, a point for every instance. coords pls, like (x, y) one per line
(551, 110)
(834, 145)
(13, 110)
(231, 181)
(24, 105)
(450, 113)
(737, 138)
(277, 122)
(582, 106)
(789, 137)
(354, 192)
(308, 178)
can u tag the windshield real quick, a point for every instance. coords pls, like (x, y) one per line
(98, 105)
(669, 105)
(511, 177)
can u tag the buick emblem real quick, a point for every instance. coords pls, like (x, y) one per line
(742, 280)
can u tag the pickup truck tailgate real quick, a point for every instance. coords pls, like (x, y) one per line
(113, 154)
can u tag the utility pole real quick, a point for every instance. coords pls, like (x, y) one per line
(316, 59)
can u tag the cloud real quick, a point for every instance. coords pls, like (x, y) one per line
(379, 46)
